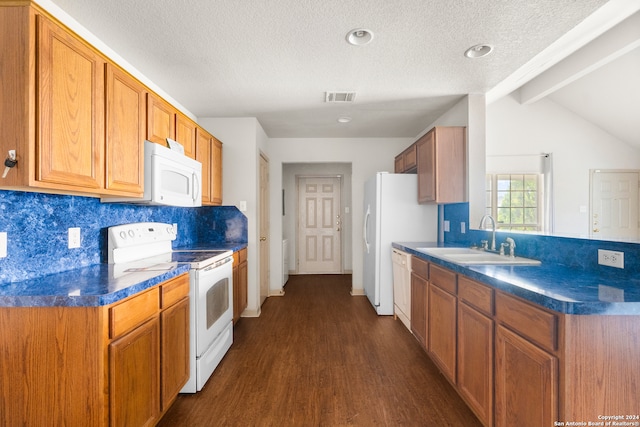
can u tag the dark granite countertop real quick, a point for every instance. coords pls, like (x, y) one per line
(554, 286)
(98, 284)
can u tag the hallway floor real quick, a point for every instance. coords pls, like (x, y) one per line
(319, 357)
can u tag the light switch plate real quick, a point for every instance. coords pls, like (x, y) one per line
(3, 244)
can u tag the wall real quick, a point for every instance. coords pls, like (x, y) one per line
(36, 225)
(241, 140)
(290, 220)
(366, 156)
(576, 144)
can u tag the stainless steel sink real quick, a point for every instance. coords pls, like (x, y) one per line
(468, 256)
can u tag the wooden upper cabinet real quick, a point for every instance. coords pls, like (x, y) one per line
(70, 82)
(125, 132)
(406, 162)
(441, 165)
(209, 153)
(216, 171)
(186, 134)
(161, 120)
(203, 155)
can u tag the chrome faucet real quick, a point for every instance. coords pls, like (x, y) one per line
(493, 231)
(512, 246)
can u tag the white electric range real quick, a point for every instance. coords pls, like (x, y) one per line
(147, 245)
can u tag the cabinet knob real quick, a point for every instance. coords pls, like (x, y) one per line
(262, 239)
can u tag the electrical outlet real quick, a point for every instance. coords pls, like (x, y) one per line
(463, 227)
(611, 258)
(3, 244)
(74, 237)
(446, 225)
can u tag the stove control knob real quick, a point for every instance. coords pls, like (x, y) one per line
(131, 233)
(123, 235)
(169, 230)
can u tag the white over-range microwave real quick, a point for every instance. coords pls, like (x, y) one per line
(170, 179)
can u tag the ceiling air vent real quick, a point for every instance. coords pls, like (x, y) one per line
(339, 96)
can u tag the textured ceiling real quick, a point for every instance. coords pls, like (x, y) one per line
(275, 59)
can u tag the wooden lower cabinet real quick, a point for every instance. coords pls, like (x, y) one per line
(174, 348)
(526, 382)
(419, 299)
(419, 304)
(95, 366)
(443, 330)
(516, 363)
(240, 277)
(475, 361)
(134, 376)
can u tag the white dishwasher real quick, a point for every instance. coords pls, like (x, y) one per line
(402, 286)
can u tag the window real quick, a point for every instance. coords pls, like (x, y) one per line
(515, 201)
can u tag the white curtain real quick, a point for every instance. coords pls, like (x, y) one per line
(549, 211)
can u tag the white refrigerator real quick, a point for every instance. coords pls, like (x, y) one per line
(391, 214)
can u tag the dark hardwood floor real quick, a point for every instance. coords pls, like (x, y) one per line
(319, 357)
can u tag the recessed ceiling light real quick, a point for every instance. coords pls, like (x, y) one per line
(359, 37)
(478, 51)
(344, 119)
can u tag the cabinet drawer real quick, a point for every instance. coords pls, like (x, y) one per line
(444, 279)
(420, 267)
(476, 295)
(174, 290)
(529, 321)
(130, 313)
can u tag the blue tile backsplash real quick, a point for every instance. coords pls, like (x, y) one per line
(36, 225)
(571, 252)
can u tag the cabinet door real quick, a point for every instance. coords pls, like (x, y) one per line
(526, 386)
(409, 158)
(203, 155)
(70, 145)
(242, 277)
(186, 134)
(419, 304)
(125, 132)
(399, 164)
(216, 171)
(161, 120)
(442, 330)
(134, 376)
(425, 151)
(475, 361)
(174, 323)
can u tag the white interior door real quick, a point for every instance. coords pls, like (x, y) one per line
(319, 225)
(614, 204)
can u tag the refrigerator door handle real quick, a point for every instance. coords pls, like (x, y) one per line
(366, 227)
